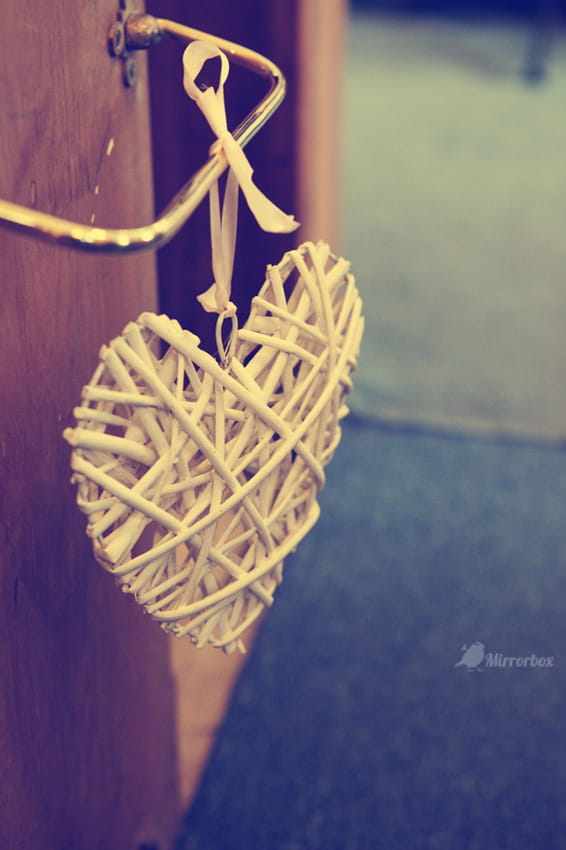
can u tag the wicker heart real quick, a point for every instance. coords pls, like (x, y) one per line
(198, 480)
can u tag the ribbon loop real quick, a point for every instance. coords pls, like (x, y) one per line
(223, 223)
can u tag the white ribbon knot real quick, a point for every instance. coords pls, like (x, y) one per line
(223, 224)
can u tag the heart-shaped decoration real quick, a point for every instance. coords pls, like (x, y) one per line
(198, 479)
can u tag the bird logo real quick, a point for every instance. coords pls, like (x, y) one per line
(472, 657)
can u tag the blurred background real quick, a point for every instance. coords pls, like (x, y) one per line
(442, 521)
(455, 174)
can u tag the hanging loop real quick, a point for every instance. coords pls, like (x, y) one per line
(224, 223)
(226, 355)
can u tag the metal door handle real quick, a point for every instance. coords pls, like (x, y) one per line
(141, 31)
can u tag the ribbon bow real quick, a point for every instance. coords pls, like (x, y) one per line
(223, 226)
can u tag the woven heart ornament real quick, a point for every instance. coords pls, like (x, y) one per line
(197, 478)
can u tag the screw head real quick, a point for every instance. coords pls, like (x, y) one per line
(129, 71)
(116, 39)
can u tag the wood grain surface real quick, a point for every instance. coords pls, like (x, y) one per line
(87, 751)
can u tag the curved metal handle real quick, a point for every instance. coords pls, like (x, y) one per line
(143, 31)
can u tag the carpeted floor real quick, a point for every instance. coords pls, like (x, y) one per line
(352, 728)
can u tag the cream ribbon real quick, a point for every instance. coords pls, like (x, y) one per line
(223, 225)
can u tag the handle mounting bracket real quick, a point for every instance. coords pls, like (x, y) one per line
(128, 33)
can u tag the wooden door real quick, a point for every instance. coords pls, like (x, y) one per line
(87, 751)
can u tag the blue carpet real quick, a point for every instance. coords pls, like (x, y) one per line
(351, 727)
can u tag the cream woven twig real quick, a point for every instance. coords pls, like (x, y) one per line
(198, 480)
